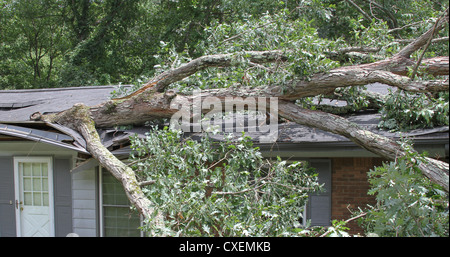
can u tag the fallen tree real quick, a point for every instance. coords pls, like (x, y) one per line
(154, 99)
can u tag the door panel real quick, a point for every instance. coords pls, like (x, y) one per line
(34, 203)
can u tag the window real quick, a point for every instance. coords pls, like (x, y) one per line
(34, 183)
(117, 218)
(318, 207)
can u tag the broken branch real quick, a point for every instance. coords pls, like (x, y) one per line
(436, 171)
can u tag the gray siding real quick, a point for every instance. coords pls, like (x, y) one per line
(84, 203)
(7, 211)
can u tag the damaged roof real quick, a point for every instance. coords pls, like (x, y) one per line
(43, 132)
(17, 105)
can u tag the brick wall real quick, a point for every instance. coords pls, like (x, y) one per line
(349, 188)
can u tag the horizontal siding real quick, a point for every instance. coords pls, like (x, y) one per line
(84, 203)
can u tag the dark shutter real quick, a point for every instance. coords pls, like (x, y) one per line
(7, 199)
(62, 197)
(319, 205)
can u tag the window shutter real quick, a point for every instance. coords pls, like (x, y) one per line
(7, 199)
(319, 204)
(62, 197)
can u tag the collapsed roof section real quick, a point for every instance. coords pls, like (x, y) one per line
(45, 133)
(17, 105)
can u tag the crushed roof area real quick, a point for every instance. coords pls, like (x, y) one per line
(16, 106)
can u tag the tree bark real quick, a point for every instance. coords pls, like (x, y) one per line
(79, 119)
(153, 101)
(436, 171)
(423, 39)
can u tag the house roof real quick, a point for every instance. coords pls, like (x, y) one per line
(17, 105)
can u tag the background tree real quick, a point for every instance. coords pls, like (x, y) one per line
(33, 43)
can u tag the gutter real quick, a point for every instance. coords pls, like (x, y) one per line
(37, 135)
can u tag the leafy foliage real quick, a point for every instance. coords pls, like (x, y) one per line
(297, 39)
(32, 44)
(408, 204)
(209, 188)
(406, 111)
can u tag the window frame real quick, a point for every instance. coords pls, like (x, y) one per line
(101, 206)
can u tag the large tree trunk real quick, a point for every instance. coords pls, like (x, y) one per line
(154, 101)
(144, 107)
(79, 119)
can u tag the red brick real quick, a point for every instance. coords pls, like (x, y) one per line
(349, 188)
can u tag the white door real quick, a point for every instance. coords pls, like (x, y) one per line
(34, 196)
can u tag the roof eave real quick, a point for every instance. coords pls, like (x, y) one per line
(36, 138)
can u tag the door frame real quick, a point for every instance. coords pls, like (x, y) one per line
(31, 159)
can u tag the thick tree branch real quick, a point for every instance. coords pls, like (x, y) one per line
(160, 82)
(423, 39)
(400, 65)
(220, 60)
(436, 171)
(79, 118)
(327, 82)
(433, 41)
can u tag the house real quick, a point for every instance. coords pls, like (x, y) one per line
(50, 185)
